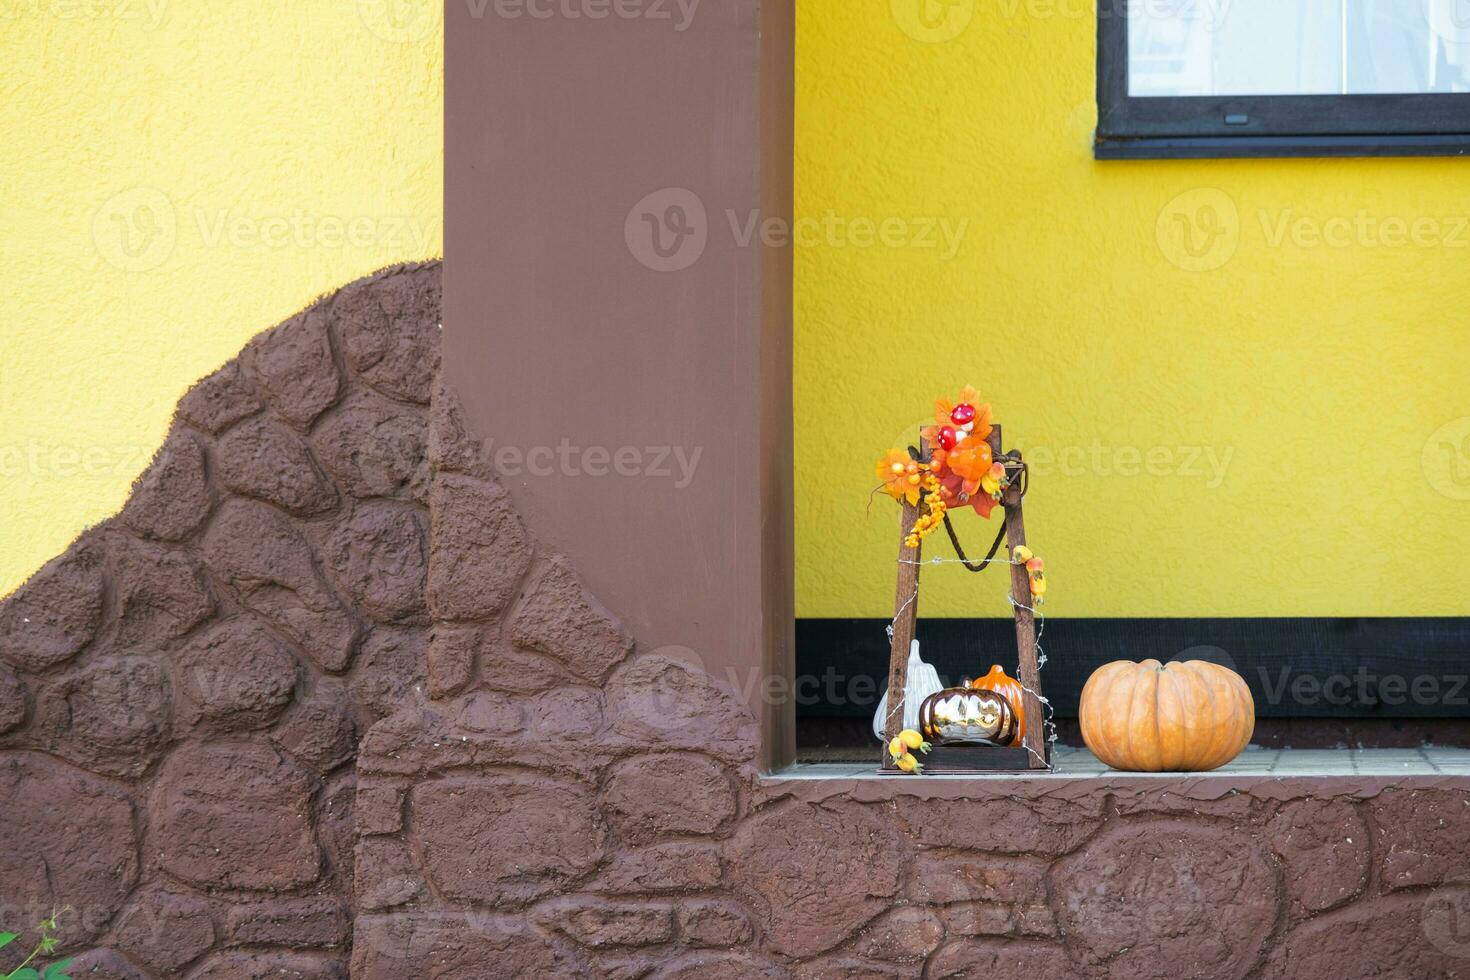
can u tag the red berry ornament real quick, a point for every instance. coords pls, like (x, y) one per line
(962, 414)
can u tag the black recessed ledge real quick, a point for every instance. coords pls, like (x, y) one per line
(1296, 667)
(1248, 147)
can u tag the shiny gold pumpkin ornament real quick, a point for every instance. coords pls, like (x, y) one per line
(1190, 716)
(959, 715)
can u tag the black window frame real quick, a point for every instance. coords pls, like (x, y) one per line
(1134, 128)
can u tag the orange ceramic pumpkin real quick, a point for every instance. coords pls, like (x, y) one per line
(1010, 689)
(1177, 717)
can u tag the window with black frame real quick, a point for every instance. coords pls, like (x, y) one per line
(1205, 78)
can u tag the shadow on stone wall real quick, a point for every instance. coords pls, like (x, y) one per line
(321, 551)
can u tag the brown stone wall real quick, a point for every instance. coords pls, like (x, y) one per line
(182, 692)
(567, 803)
(322, 552)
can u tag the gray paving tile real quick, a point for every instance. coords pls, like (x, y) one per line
(1450, 765)
(1448, 759)
(1074, 763)
(1323, 761)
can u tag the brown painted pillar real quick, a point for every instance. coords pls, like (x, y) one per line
(611, 322)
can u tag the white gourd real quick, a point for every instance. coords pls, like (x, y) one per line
(923, 680)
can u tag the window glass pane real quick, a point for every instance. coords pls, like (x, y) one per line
(1307, 47)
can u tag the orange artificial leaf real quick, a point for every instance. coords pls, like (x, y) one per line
(952, 491)
(984, 422)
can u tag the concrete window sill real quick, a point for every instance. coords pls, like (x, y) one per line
(1079, 764)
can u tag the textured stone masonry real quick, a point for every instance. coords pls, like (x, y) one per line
(183, 691)
(318, 704)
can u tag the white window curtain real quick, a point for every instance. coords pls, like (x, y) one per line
(1308, 47)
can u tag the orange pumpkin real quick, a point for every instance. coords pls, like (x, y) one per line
(1010, 689)
(1192, 716)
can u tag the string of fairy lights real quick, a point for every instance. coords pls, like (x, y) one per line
(1049, 728)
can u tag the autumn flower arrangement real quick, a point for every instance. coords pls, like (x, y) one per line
(960, 471)
(955, 469)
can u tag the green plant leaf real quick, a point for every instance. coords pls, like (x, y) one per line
(6, 938)
(25, 974)
(56, 970)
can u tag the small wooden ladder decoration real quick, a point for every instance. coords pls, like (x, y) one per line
(1034, 752)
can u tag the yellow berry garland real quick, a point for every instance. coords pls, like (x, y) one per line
(928, 522)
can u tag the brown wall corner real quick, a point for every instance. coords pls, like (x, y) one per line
(625, 350)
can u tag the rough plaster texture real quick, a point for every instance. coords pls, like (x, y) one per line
(180, 173)
(535, 796)
(1174, 343)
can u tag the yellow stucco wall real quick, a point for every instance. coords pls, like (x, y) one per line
(178, 175)
(1270, 419)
